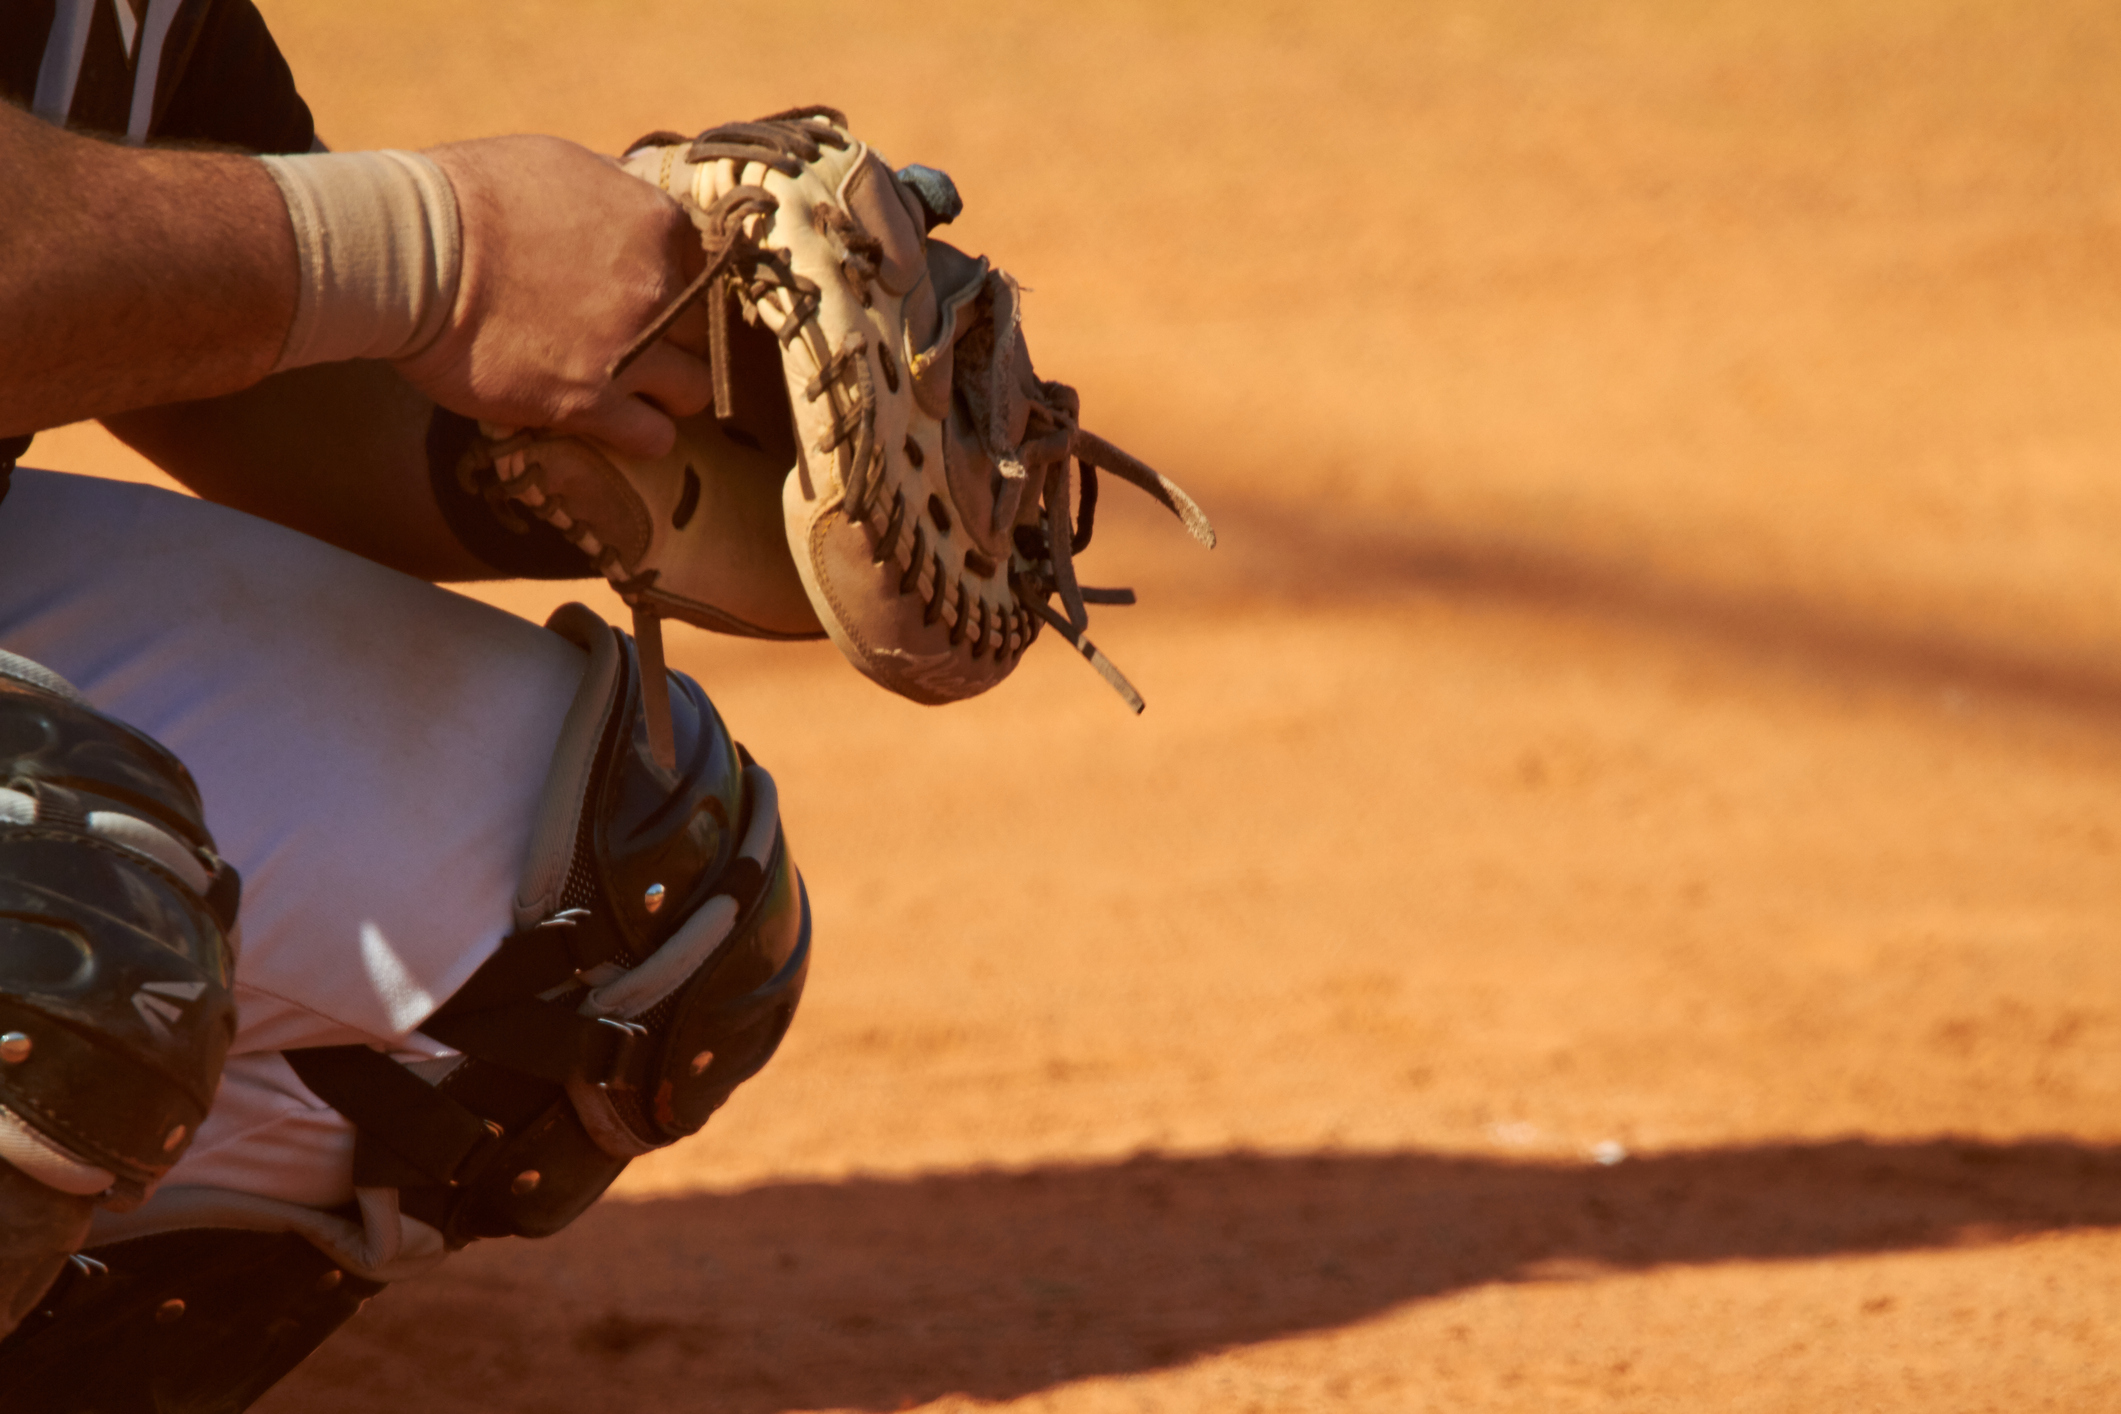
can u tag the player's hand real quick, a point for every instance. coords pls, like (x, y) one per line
(566, 260)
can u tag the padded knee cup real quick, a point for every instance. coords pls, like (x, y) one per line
(661, 947)
(115, 964)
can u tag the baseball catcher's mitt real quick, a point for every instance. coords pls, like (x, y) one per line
(881, 462)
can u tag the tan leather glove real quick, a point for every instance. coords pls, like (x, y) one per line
(921, 474)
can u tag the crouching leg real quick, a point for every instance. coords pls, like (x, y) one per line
(660, 945)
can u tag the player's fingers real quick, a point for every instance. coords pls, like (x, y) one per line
(635, 414)
(685, 256)
(626, 424)
(690, 332)
(678, 382)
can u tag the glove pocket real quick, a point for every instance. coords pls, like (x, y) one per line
(719, 554)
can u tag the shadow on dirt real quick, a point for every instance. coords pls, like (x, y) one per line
(871, 1293)
(1274, 554)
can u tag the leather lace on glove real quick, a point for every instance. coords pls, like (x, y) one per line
(882, 463)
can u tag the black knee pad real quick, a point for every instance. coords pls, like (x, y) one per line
(115, 964)
(662, 947)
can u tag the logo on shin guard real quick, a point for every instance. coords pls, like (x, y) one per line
(157, 1011)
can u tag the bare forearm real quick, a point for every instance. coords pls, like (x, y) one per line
(133, 277)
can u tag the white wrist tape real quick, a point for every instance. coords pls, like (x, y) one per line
(379, 249)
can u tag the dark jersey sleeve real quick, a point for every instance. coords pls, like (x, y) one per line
(215, 75)
(232, 87)
(24, 25)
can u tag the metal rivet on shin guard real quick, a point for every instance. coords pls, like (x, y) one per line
(701, 1061)
(170, 1310)
(653, 899)
(525, 1182)
(171, 1140)
(15, 1048)
(330, 1280)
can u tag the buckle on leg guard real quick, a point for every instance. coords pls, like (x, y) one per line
(621, 1067)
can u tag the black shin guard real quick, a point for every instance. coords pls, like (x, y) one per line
(190, 1322)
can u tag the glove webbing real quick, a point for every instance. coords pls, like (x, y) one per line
(783, 142)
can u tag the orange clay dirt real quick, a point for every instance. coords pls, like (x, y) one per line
(1658, 699)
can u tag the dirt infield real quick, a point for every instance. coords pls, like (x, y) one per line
(1613, 902)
